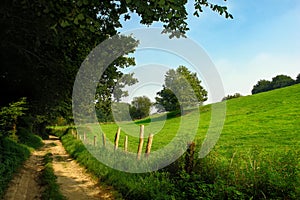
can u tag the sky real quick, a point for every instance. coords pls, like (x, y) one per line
(262, 41)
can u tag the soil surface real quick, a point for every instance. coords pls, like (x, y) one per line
(75, 183)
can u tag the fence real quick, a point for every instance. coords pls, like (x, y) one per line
(117, 139)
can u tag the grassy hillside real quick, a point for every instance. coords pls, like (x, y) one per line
(256, 157)
(268, 120)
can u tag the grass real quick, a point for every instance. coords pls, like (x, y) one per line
(12, 157)
(257, 155)
(14, 153)
(268, 120)
(48, 181)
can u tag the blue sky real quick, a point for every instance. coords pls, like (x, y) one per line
(259, 43)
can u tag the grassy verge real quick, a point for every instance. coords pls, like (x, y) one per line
(11, 158)
(48, 181)
(255, 175)
(13, 154)
(132, 186)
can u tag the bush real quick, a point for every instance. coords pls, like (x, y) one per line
(29, 139)
(9, 117)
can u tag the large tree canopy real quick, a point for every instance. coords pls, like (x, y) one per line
(140, 107)
(182, 88)
(44, 42)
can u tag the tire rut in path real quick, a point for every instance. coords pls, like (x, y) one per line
(73, 180)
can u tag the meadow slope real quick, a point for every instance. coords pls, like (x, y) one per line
(256, 157)
(269, 120)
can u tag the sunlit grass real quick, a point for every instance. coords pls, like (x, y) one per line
(269, 120)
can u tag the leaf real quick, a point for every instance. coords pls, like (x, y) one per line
(196, 14)
(85, 2)
(92, 29)
(80, 16)
(64, 23)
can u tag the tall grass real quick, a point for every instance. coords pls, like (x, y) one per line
(13, 153)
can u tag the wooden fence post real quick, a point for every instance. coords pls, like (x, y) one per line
(117, 136)
(149, 144)
(140, 148)
(95, 140)
(126, 144)
(189, 157)
(84, 136)
(103, 139)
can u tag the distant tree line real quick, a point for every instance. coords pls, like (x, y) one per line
(236, 95)
(277, 82)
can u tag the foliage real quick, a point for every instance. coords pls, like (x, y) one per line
(140, 107)
(121, 111)
(282, 81)
(298, 79)
(262, 86)
(48, 180)
(182, 88)
(16, 140)
(11, 158)
(236, 95)
(28, 138)
(43, 44)
(9, 117)
(167, 100)
(277, 82)
(125, 80)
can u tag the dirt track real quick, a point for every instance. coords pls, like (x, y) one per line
(73, 180)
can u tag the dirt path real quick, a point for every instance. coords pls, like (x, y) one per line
(24, 185)
(73, 180)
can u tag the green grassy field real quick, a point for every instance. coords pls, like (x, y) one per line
(270, 121)
(256, 157)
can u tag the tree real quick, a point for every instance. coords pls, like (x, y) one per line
(9, 117)
(298, 79)
(167, 100)
(181, 88)
(262, 86)
(125, 80)
(282, 81)
(43, 43)
(140, 107)
(121, 111)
